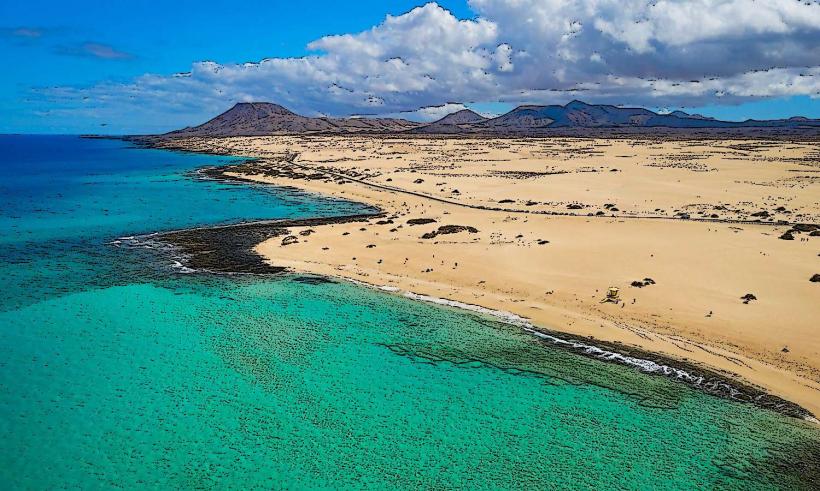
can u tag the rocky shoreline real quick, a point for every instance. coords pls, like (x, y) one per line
(229, 248)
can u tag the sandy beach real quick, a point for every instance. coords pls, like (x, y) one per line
(542, 227)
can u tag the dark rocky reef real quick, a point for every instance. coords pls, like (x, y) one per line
(229, 248)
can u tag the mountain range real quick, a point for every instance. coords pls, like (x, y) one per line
(264, 118)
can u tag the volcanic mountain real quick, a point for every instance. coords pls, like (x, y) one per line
(682, 114)
(456, 122)
(579, 114)
(264, 118)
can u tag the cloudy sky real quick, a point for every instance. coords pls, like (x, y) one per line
(144, 66)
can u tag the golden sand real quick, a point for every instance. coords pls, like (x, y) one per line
(554, 270)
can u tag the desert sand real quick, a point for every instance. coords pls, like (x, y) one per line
(547, 225)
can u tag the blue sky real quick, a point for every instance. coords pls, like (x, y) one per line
(159, 37)
(108, 66)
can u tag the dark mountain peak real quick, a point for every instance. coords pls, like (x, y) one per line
(456, 122)
(267, 108)
(576, 104)
(681, 114)
(461, 117)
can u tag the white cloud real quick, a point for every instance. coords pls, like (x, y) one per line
(674, 39)
(502, 57)
(422, 114)
(652, 52)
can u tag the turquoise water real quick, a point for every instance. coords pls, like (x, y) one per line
(117, 371)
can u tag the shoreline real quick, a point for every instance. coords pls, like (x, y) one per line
(215, 173)
(650, 363)
(227, 249)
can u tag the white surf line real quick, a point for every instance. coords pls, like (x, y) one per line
(643, 365)
(146, 241)
(510, 318)
(648, 366)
